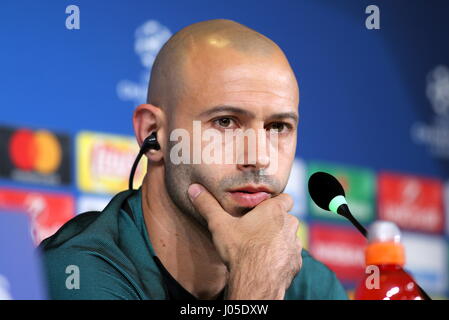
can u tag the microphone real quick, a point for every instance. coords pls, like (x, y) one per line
(328, 194)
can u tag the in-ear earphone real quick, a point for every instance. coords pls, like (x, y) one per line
(149, 143)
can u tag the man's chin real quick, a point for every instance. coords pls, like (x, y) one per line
(239, 211)
(245, 210)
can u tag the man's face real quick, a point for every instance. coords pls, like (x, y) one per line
(263, 95)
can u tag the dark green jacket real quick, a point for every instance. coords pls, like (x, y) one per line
(114, 256)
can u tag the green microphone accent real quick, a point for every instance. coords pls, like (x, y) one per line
(336, 202)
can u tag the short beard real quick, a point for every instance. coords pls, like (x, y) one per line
(177, 181)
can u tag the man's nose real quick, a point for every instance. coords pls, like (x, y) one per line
(254, 155)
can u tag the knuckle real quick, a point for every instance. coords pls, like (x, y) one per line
(287, 199)
(293, 220)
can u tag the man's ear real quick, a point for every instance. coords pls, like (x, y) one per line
(147, 119)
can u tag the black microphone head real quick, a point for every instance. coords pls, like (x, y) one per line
(323, 188)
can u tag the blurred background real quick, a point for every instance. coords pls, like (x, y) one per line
(374, 112)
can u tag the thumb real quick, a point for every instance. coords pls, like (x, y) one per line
(206, 204)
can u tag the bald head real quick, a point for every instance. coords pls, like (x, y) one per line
(196, 43)
(218, 76)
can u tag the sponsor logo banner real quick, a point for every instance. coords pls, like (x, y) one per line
(359, 186)
(427, 261)
(104, 162)
(341, 249)
(47, 211)
(413, 203)
(35, 156)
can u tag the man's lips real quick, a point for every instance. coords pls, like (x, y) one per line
(250, 196)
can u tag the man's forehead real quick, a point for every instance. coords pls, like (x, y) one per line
(242, 83)
(260, 87)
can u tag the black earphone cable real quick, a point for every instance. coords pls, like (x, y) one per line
(150, 142)
(133, 169)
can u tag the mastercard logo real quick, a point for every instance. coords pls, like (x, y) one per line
(35, 151)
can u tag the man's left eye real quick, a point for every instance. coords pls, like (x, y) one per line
(279, 127)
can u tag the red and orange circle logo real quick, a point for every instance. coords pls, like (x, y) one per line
(39, 151)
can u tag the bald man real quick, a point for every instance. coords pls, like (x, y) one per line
(205, 229)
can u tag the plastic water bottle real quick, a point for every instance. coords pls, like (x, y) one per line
(384, 257)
